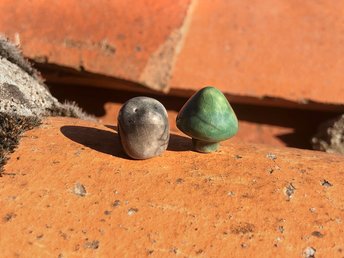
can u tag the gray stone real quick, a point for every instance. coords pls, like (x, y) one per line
(22, 91)
(309, 252)
(24, 99)
(330, 136)
(143, 128)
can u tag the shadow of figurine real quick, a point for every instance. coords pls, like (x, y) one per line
(179, 143)
(99, 140)
(108, 142)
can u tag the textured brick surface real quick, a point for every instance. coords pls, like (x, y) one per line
(282, 49)
(68, 191)
(117, 38)
(286, 49)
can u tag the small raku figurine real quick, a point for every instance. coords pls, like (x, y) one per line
(208, 118)
(143, 128)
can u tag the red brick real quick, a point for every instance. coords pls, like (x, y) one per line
(115, 38)
(244, 201)
(284, 49)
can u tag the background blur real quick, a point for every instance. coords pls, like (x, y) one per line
(280, 63)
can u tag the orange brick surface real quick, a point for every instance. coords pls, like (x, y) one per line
(115, 38)
(284, 49)
(243, 201)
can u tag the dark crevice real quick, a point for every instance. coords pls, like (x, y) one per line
(304, 123)
(63, 75)
(91, 91)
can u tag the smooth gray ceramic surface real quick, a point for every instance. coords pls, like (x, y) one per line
(143, 127)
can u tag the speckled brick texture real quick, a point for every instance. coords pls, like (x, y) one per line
(69, 191)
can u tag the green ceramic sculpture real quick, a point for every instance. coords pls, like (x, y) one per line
(208, 118)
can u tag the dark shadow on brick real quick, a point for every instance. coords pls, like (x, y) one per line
(179, 143)
(99, 140)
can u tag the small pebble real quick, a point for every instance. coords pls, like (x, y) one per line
(281, 229)
(132, 211)
(326, 183)
(289, 190)
(92, 245)
(271, 156)
(116, 203)
(244, 245)
(317, 234)
(79, 189)
(309, 252)
(230, 193)
(313, 210)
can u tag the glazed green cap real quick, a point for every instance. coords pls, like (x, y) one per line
(207, 117)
